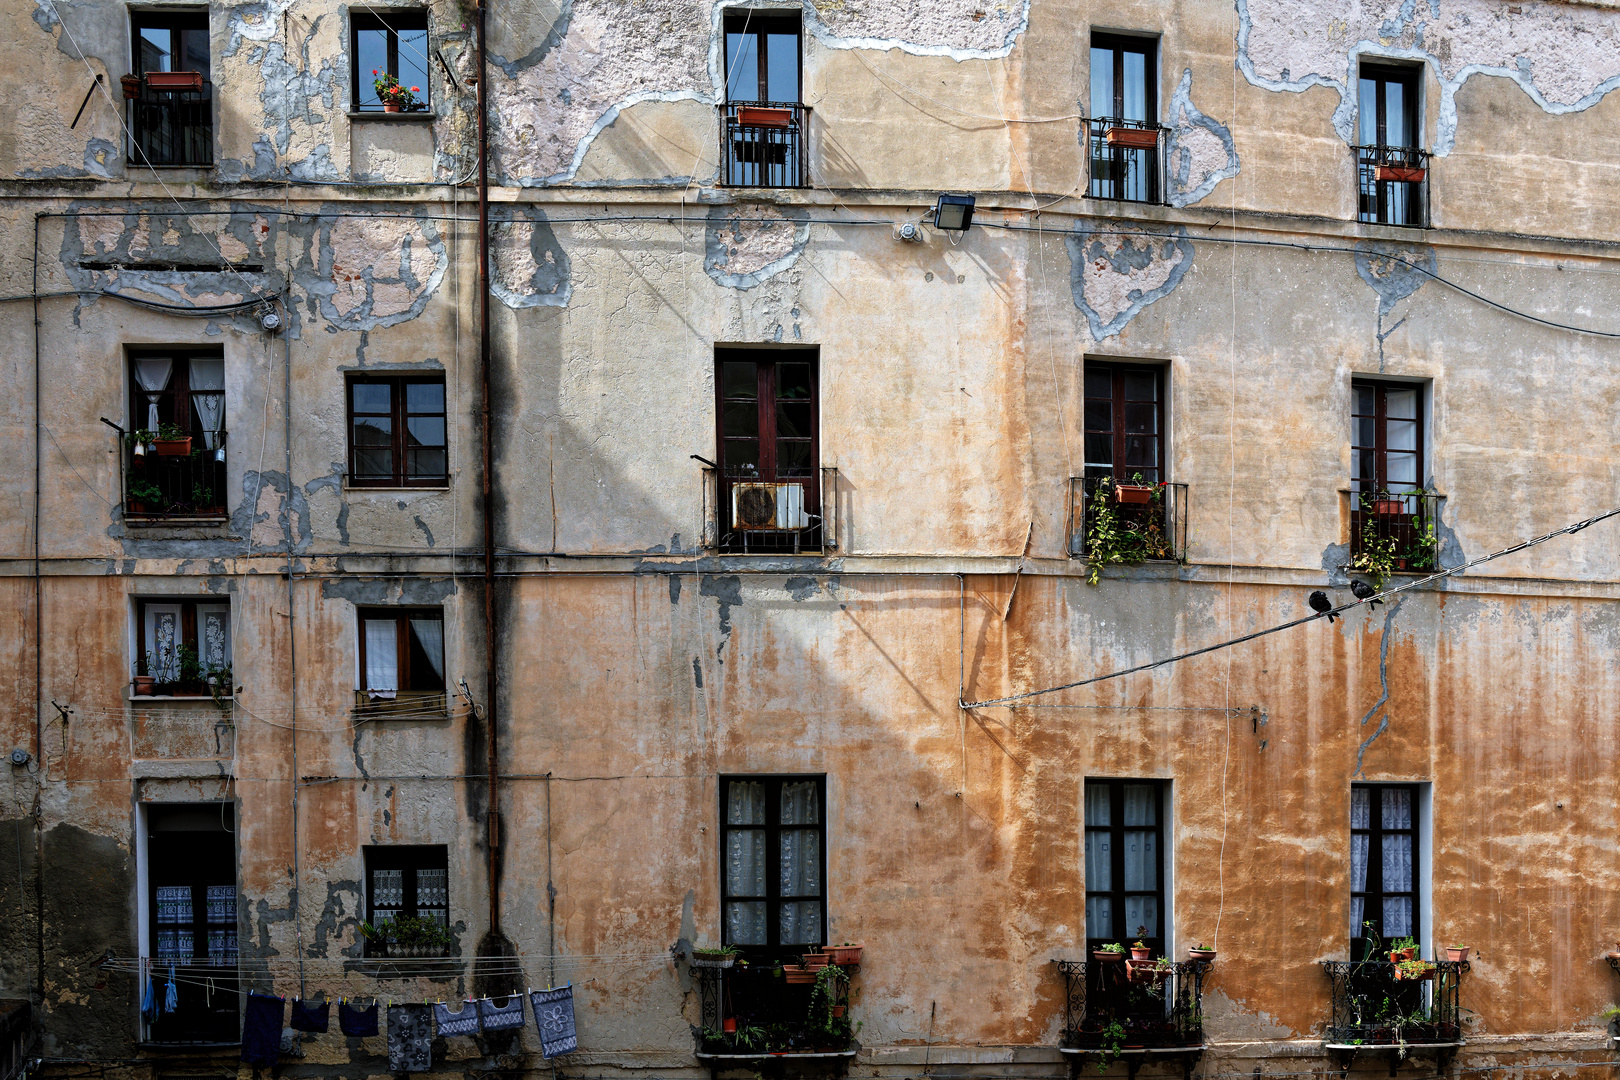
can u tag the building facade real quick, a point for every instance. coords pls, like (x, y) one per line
(711, 566)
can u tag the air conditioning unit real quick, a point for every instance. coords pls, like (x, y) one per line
(778, 507)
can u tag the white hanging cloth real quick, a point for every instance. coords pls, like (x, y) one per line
(208, 396)
(153, 375)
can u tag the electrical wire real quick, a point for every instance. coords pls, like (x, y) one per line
(1567, 530)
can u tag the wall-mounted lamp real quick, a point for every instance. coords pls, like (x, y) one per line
(953, 212)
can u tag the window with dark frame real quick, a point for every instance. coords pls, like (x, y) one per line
(1124, 854)
(1388, 129)
(171, 124)
(168, 630)
(762, 57)
(1124, 417)
(1386, 440)
(1384, 861)
(392, 40)
(401, 649)
(191, 881)
(767, 406)
(407, 881)
(397, 431)
(773, 855)
(1124, 96)
(183, 387)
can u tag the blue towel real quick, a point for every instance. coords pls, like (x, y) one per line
(410, 1038)
(353, 1020)
(261, 1029)
(464, 1022)
(501, 1017)
(311, 1015)
(554, 1016)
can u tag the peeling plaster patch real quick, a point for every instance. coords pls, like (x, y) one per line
(280, 506)
(45, 15)
(1566, 57)
(1394, 274)
(726, 590)
(378, 272)
(528, 267)
(427, 532)
(960, 29)
(164, 239)
(1383, 682)
(746, 245)
(1200, 150)
(1115, 273)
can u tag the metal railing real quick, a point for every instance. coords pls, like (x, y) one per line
(1379, 1003)
(402, 705)
(16, 1037)
(1127, 159)
(820, 502)
(1394, 532)
(762, 144)
(1125, 522)
(1155, 1009)
(161, 488)
(768, 1015)
(172, 127)
(1393, 183)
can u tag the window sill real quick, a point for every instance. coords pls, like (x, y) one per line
(206, 167)
(177, 697)
(138, 521)
(404, 487)
(424, 115)
(765, 1055)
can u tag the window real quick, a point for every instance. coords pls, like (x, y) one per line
(1386, 441)
(173, 114)
(190, 859)
(767, 404)
(1124, 124)
(1125, 862)
(407, 881)
(772, 846)
(397, 431)
(762, 57)
(1391, 168)
(401, 649)
(1383, 864)
(181, 645)
(394, 41)
(1124, 422)
(762, 120)
(176, 392)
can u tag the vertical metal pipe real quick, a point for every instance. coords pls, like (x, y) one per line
(292, 656)
(491, 645)
(39, 665)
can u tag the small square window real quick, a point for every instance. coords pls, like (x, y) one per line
(183, 647)
(406, 881)
(388, 42)
(401, 649)
(397, 431)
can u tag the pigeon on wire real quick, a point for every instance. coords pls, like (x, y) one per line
(1321, 603)
(1363, 591)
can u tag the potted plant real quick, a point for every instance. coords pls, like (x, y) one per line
(1201, 952)
(1456, 953)
(174, 80)
(1139, 949)
(395, 98)
(723, 957)
(1111, 953)
(144, 684)
(406, 936)
(172, 441)
(756, 116)
(1414, 970)
(1138, 494)
(1117, 532)
(131, 85)
(1386, 506)
(1402, 949)
(846, 954)
(145, 497)
(815, 959)
(799, 974)
(1129, 138)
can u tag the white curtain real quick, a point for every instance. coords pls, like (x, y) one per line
(162, 641)
(208, 395)
(153, 375)
(1099, 862)
(1395, 810)
(214, 635)
(800, 864)
(1141, 859)
(745, 862)
(430, 635)
(1360, 818)
(382, 655)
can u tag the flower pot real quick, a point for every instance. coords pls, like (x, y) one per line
(1403, 173)
(1459, 953)
(173, 447)
(131, 85)
(815, 961)
(1141, 954)
(1398, 955)
(392, 108)
(838, 1011)
(174, 80)
(1389, 507)
(729, 1025)
(1109, 957)
(844, 954)
(701, 959)
(756, 117)
(1206, 955)
(1132, 138)
(144, 685)
(1132, 493)
(799, 976)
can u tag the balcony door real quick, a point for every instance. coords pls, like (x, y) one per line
(1124, 118)
(191, 876)
(763, 121)
(1388, 132)
(172, 124)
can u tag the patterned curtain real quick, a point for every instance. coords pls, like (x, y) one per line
(800, 921)
(745, 862)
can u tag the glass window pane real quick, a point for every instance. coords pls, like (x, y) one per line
(426, 464)
(413, 61)
(1099, 917)
(1141, 805)
(742, 457)
(194, 51)
(1368, 115)
(1142, 916)
(742, 68)
(1102, 82)
(793, 458)
(424, 431)
(801, 803)
(800, 923)
(1366, 432)
(741, 418)
(157, 49)
(372, 397)
(799, 863)
(1401, 435)
(1362, 466)
(371, 54)
(745, 802)
(1099, 861)
(1360, 808)
(1366, 401)
(1099, 808)
(1099, 415)
(1397, 868)
(745, 922)
(793, 420)
(793, 381)
(1099, 383)
(1358, 907)
(1396, 808)
(1141, 386)
(1141, 859)
(745, 862)
(1360, 844)
(371, 463)
(1397, 916)
(1401, 404)
(1141, 451)
(373, 431)
(1402, 470)
(424, 397)
(739, 380)
(782, 67)
(1142, 418)
(1395, 132)
(1099, 449)
(1135, 85)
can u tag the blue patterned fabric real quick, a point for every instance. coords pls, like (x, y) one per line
(554, 1016)
(464, 1022)
(496, 1017)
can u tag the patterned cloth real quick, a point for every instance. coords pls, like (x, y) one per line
(554, 1016)
(501, 1017)
(464, 1022)
(311, 1015)
(261, 1029)
(410, 1038)
(353, 1020)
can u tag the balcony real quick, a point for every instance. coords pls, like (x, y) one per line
(1127, 160)
(172, 125)
(1381, 1006)
(753, 1014)
(1393, 185)
(1116, 1010)
(175, 489)
(747, 515)
(762, 144)
(401, 705)
(1393, 532)
(1126, 523)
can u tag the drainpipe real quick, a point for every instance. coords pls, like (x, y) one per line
(39, 666)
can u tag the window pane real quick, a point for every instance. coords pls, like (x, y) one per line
(1141, 450)
(1358, 907)
(1099, 449)
(1397, 868)
(1099, 383)
(1099, 415)
(413, 61)
(1141, 386)
(742, 68)
(799, 863)
(1135, 85)
(372, 397)
(432, 888)
(1099, 808)
(1395, 132)
(1099, 917)
(426, 464)
(793, 381)
(426, 643)
(157, 49)
(424, 431)
(1366, 432)
(782, 67)
(793, 421)
(745, 922)
(1366, 401)
(741, 418)
(1361, 466)
(1142, 418)
(745, 802)
(1141, 859)
(387, 888)
(801, 803)
(1142, 916)
(1141, 805)
(1368, 115)
(1397, 916)
(792, 459)
(1401, 404)
(745, 862)
(1102, 82)
(740, 380)
(1401, 435)
(371, 54)
(1099, 861)
(800, 923)
(1360, 808)
(742, 457)
(1359, 845)
(1402, 470)
(1396, 808)
(424, 397)
(194, 51)
(373, 462)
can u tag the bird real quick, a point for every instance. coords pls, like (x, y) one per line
(1363, 591)
(1321, 603)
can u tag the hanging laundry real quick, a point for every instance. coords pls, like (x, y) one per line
(410, 1038)
(554, 1016)
(171, 994)
(149, 1001)
(311, 1015)
(464, 1022)
(261, 1028)
(498, 1017)
(353, 1020)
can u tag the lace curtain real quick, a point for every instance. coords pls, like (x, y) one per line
(1141, 859)
(382, 655)
(214, 637)
(1099, 863)
(162, 641)
(1360, 818)
(153, 375)
(800, 875)
(1396, 812)
(745, 862)
(208, 397)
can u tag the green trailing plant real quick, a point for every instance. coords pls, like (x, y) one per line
(1377, 557)
(1113, 1039)
(1423, 553)
(201, 495)
(144, 491)
(1124, 534)
(139, 435)
(823, 997)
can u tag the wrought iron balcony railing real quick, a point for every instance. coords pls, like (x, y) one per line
(748, 515)
(1379, 1003)
(1117, 1008)
(179, 488)
(1127, 159)
(1394, 532)
(751, 1012)
(1126, 522)
(1394, 185)
(762, 144)
(172, 127)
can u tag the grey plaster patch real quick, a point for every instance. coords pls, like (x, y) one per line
(291, 92)
(959, 29)
(527, 265)
(748, 244)
(427, 532)
(1116, 272)
(1383, 682)
(1394, 272)
(674, 589)
(288, 518)
(801, 588)
(1199, 150)
(1566, 57)
(407, 591)
(727, 591)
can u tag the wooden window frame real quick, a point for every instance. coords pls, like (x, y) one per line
(1115, 830)
(1380, 447)
(188, 606)
(171, 19)
(1381, 75)
(390, 21)
(1375, 833)
(1119, 44)
(766, 401)
(1117, 433)
(758, 24)
(176, 399)
(402, 643)
(773, 858)
(398, 427)
(412, 858)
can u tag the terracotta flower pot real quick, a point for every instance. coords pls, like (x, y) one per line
(173, 447)
(1132, 138)
(144, 685)
(1456, 953)
(174, 80)
(392, 108)
(1206, 955)
(838, 1011)
(1109, 957)
(131, 85)
(729, 1025)
(799, 976)
(1403, 173)
(757, 117)
(1389, 507)
(1132, 493)
(815, 961)
(844, 954)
